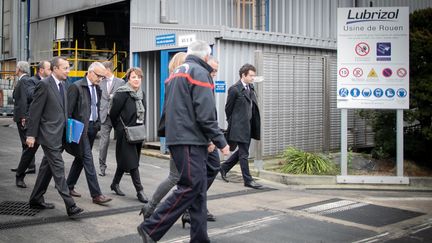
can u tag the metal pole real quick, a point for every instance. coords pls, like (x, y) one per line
(399, 143)
(344, 142)
(258, 162)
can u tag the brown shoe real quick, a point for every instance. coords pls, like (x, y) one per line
(73, 193)
(101, 199)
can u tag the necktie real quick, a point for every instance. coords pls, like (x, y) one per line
(61, 90)
(93, 103)
(248, 91)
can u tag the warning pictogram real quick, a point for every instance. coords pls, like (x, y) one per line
(343, 72)
(387, 72)
(358, 72)
(362, 49)
(372, 74)
(401, 72)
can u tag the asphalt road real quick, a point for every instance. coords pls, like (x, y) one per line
(278, 213)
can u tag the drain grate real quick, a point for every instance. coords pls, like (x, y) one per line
(17, 208)
(358, 212)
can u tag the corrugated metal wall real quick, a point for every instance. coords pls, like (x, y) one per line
(43, 9)
(413, 4)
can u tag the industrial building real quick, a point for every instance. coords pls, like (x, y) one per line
(292, 42)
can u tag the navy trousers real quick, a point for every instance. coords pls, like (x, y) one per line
(241, 155)
(190, 194)
(87, 163)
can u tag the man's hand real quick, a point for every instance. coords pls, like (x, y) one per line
(23, 122)
(30, 141)
(226, 150)
(211, 147)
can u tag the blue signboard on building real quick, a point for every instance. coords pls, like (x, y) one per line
(220, 87)
(168, 39)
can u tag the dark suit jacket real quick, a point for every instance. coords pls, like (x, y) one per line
(47, 116)
(20, 98)
(79, 101)
(244, 121)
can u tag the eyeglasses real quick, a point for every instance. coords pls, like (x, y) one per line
(98, 75)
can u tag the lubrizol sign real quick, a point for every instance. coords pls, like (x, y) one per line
(373, 58)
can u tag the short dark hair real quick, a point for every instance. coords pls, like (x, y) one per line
(246, 68)
(55, 61)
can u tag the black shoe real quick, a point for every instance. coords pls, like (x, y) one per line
(223, 175)
(145, 237)
(253, 184)
(14, 169)
(142, 197)
(185, 218)
(116, 189)
(20, 183)
(147, 210)
(210, 217)
(74, 211)
(31, 171)
(41, 205)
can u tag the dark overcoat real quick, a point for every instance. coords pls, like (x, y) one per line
(242, 114)
(127, 154)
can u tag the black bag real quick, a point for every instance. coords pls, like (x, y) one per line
(134, 134)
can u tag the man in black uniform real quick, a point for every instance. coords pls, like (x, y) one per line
(187, 133)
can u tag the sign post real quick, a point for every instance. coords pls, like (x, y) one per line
(373, 64)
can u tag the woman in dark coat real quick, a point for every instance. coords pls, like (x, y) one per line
(128, 104)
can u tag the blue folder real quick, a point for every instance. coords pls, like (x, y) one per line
(74, 130)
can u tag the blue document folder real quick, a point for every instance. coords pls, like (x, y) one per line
(74, 130)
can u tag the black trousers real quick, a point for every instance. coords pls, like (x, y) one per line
(86, 162)
(213, 167)
(52, 165)
(135, 175)
(190, 194)
(241, 155)
(27, 160)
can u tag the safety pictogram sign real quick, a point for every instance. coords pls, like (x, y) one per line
(362, 49)
(344, 72)
(387, 72)
(358, 72)
(372, 74)
(401, 72)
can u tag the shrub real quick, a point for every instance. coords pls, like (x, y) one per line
(297, 161)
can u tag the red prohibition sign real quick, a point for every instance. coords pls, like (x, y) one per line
(362, 49)
(343, 72)
(358, 72)
(401, 72)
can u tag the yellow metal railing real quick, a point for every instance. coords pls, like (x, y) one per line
(79, 56)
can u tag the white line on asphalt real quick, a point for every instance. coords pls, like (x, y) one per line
(236, 229)
(400, 198)
(328, 206)
(154, 166)
(372, 239)
(341, 209)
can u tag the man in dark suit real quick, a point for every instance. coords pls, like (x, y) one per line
(83, 105)
(20, 116)
(243, 123)
(47, 121)
(26, 91)
(108, 85)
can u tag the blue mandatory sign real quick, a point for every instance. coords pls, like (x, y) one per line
(168, 39)
(220, 87)
(402, 92)
(378, 92)
(355, 92)
(366, 92)
(383, 49)
(390, 92)
(343, 92)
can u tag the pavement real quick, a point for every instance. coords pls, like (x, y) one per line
(280, 212)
